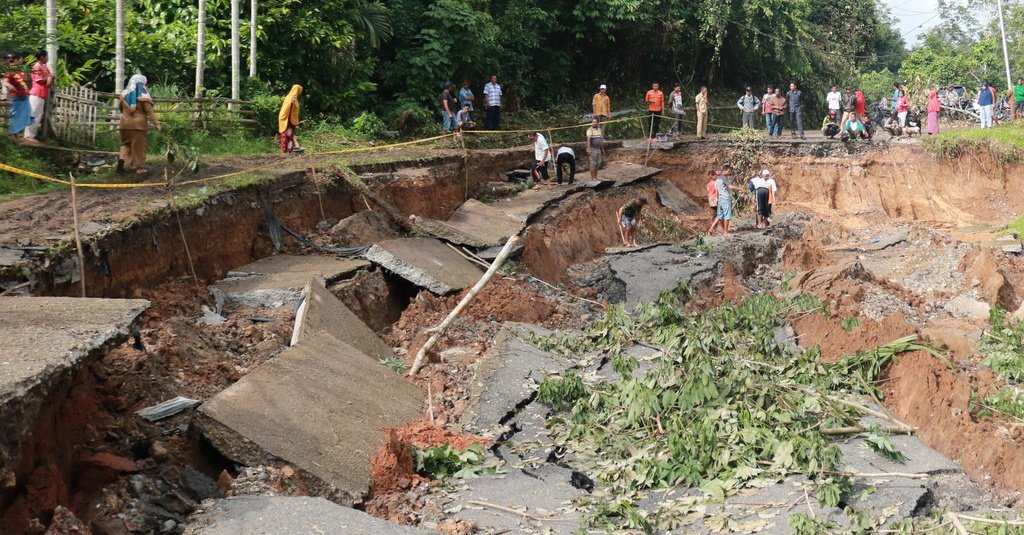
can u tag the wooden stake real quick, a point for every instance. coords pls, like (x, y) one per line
(78, 237)
(465, 164)
(316, 184)
(181, 230)
(440, 329)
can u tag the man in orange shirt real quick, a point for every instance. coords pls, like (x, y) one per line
(655, 100)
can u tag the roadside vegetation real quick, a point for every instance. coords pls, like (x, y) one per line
(1005, 142)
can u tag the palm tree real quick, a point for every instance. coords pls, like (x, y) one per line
(373, 19)
(235, 51)
(252, 39)
(119, 45)
(51, 33)
(200, 48)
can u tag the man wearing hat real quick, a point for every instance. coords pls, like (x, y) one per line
(748, 104)
(602, 104)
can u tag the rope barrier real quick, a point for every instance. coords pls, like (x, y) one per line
(352, 150)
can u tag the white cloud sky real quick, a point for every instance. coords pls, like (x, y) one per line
(914, 17)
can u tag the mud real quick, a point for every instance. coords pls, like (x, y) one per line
(110, 471)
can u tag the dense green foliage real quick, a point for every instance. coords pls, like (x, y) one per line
(725, 405)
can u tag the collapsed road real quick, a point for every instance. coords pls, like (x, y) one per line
(319, 299)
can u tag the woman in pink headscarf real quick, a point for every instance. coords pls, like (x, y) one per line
(933, 112)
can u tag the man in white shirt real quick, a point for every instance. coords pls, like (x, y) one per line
(541, 155)
(764, 194)
(565, 158)
(492, 98)
(835, 101)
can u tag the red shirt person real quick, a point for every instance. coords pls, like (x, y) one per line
(655, 101)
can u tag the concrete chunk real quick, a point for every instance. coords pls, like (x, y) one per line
(276, 280)
(319, 406)
(285, 515)
(427, 263)
(320, 311)
(674, 199)
(625, 173)
(45, 340)
(541, 493)
(474, 224)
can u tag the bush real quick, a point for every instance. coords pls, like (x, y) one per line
(267, 107)
(368, 125)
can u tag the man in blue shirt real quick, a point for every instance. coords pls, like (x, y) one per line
(985, 101)
(796, 110)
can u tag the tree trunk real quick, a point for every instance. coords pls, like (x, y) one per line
(200, 47)
(119, 45)
(252, 39)
(51, 34)
(236, 52)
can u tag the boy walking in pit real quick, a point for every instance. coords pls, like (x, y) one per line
(629, 218)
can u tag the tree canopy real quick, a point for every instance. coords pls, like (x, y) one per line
(359, 55)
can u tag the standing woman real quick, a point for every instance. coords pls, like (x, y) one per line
(288, 121)
(933, 112)
(702, 112)
(17, 89)
(136, 109)
(902, 107)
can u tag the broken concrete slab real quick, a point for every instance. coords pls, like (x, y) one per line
(491, 253)
(10, 257)
(625, 173)
(921, 459)
(526, 204)
(426, 262)
(647, 273)
(541, 494)
(287, 515)
(474, 224)
(673, 198)
(46, 340)
(319, 406)
(277, 280)
(320, 311)
(507, 379)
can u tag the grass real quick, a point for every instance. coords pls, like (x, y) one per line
(1006, 142)
(1016, 227)
(16, 155)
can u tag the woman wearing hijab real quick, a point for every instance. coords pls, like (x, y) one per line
(17, 88)
(288, 120)
(933, 112)
(136, 110)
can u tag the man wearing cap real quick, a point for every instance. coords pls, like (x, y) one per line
(675, 100)
(602, 104)
(748, 104)
(629, 218)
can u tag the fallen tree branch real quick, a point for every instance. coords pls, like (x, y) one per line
(872, 412)
(521, 514)
(857, 429)
(505, 251)
(983, 520)
(907, 475)
(956, 523)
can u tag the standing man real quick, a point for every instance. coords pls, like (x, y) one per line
(796, 111)
(748, 104)
(766, 108)
(1018, 98)
(779, 106)
(701, 101)
(849, 107)
(629, 219)
(449, 107)
(835, 99)
(724, 211)
(42, 78)
(595, 147)
(678, 111)
(566, 157)
(492, 95)
(541, 155)
(655, 100)
(602, 104)
(986, 102)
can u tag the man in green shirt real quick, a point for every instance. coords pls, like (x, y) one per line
(1018, 98)
(629, 218)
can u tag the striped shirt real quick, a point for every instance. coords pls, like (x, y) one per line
(493, 93)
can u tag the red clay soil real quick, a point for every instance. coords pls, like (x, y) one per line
(836, 343)
(392, 470)
(923, 391)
